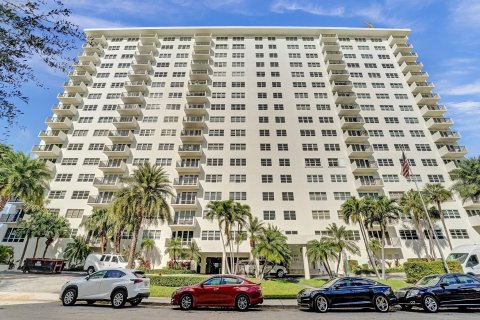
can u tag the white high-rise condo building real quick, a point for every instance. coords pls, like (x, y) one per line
(291, 121)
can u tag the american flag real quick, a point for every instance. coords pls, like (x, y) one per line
(405, 166)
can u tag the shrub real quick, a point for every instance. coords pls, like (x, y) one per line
(395, 269)
(360, 271)
(175, 281)
(6, 255)
(175, 271)
(353, 265)
(415, 269)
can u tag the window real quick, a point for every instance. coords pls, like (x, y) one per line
(338, 178)
(288, 196)
(341, 195)
(238, 196)
(238, 178)
(86, 177)
(289, 215)
(451, 214)
(63, 177)
(320, 214)
(408, 234)
(282, 147)
(80, 195)
(268, 215)
(267, 178)
(314, 178)
(238, 162)
(286, 178)
(459, 233)
(317, 196)
(57, 194)
(284, 162)
(213, 178)
(74, 213)
(435, 178)
(268, 196)
(211, 235)
(11, 235)
(313, 162)
(266, 162)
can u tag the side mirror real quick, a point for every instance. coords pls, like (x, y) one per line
(87, 277)
(336, 287)
(443, 284)
(201, 285)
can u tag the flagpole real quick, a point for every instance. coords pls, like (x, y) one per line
(445, 265)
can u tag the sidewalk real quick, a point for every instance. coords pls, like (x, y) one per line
(268, 303)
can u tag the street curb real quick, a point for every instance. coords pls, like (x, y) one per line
(262, 306)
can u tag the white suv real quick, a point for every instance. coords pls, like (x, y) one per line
(95, 262)
(113, 284)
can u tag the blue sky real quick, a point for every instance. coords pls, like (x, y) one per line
(445, 33)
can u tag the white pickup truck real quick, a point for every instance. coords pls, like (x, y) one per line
(96, 261)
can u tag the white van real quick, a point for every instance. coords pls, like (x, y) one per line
(469, 257)
(96, 261)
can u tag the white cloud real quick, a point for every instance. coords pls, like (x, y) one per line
(85, 22)
(466, 13)
(283, 6)
(472, 88)
(465, 107)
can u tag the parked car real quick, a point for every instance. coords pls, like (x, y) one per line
(113, 284)
(271, 269)
(348, 292)
(219, 291)
(441, 290)
(96, 261)
(468, 256)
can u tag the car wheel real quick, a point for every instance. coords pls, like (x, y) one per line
(90, 270)
(90, 302)
(119, 298)
(135, 302)
(186, 302)
(280, 273)
(405, 307)
(381, 303)
(69, 297)
(242, 302)
(320, 304)
(430, 303)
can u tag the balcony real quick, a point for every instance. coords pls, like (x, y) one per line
(472, 203)
(193, 121)
(200, 64)
(107, 184)
(49, 150)
(78, 76)
(129, 109)
(335, 65)
(99, 202)
(348, 109)
(446, 136)
(411, 67)
(69, 98)
(198, 85)
(202, 37)
(427, 98)
(139, 76)
(197, 96)
(452, 151)
(432, 111)
(406, 57)
(421, 87)
(149, 39)
(67, 110)
(351, 122)
(344, 97)
(341, 86)
(340, 75)
(74, 87)
(11, 217)
(183, 204)
(87, 47)
(91, 56)
(416, 77)
(135, 86)
(332, 55)
(201, 54)
(142, 67)
(355, 136)
(52, 136)
(188, 166)
(117, 150)
(450, 166)
(85, 67)
(125, 122)
(195, 109)
(364, 166)
(397, 40)
(144, 57)
(113, 166)
(393, 243)
(474, 219)
(193, 150)
(192, 135)
(60, 123)
(98, 40)
(439, 123)
(333, 45)
(367, 184)
(185, 184)
(404, 48)
(199, 74)
(359, 150)
(324, 38)
(183, 223)
(133, 98)
(202, 45)
(51, 166)
(121, 136)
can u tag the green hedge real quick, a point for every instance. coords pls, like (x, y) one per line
(168, 271)
(175, 281)
(415, 269)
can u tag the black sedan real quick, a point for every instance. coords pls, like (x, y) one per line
(441, 290)
(348, 292)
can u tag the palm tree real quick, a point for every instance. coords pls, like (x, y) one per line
(321, 250)
(193, 251)
(99, 223)
(385, 211)
(118, 216)
(255, 228)
(147, 245)
(26, 230)
(272, 247)
(375, 246)
(411, 205)
(77, 251)
(436, 193)
(355, 210)
(145, 197)
(22, 177)
(174, 248)
(54, 227)
(242, 215)
(467, 179)
(341, 239)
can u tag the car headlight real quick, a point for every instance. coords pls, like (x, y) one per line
(412, 293)
(388, 292)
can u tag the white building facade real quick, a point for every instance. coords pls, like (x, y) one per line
(291, 121)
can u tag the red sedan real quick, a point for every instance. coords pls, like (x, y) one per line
(219, 291)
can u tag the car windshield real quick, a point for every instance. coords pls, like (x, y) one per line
(429, 281)
(457, 256)
(122, 259)
(328, 284)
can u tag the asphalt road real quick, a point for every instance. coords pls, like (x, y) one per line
(55, 311)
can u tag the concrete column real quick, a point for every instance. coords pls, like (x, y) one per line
(306, 265)
(203, 265)
(224, 262)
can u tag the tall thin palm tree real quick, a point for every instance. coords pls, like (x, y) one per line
(321, 250)
(119, 215)
(255, 228)
(356, 211)
(99, 223)
(54, 227)
(193, 251)
(242, 214)
(147, 245)
(467, 179)
(411, 205)
(272, 247)
(341, 240)
(146, 196)
(437, 193)
(385, 211)
(175, 249)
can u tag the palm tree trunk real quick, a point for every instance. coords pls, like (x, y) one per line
(103, 241)
(20, 264)
(36, 247)
(339, 261)
(365, 241)
(133, 244)
(118, 239)
(442, 217)
(383, 251)
(422, 237)
(224, 249)
(3, 201)
(430, 242)
(48, 242)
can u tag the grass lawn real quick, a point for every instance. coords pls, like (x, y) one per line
(316, 282)
(160, 291)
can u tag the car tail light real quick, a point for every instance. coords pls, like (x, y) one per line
(135, 281)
